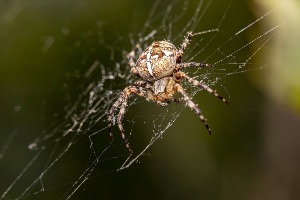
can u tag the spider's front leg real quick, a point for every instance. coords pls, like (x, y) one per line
(186, 40)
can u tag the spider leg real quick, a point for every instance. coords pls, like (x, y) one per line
(202, 85)
(111, 112)
(192, 105)
(193, 64)
(119, 122)
(122, 104)
(130, 56)
(186, 40)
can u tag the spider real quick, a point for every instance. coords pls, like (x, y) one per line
(158, 67)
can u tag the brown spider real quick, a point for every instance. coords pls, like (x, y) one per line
(159, 68)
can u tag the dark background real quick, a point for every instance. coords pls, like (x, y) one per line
(253, 153)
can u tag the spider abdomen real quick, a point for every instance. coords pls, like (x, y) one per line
(157, 61)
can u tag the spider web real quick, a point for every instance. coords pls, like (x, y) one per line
(82, 126)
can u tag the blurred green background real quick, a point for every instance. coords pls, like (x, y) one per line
(46, 47)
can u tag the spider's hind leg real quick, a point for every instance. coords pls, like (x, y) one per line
(193, 106)
(122, 103)
(137, 88)
(120, 125)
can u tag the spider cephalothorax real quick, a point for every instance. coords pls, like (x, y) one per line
(159, 68)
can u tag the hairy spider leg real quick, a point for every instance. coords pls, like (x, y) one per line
(130, 57)
(122, 104)
(202, 85)
(186, 40)
(193, 64)
(192, 105)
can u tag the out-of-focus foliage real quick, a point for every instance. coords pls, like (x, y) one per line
(281, 80)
